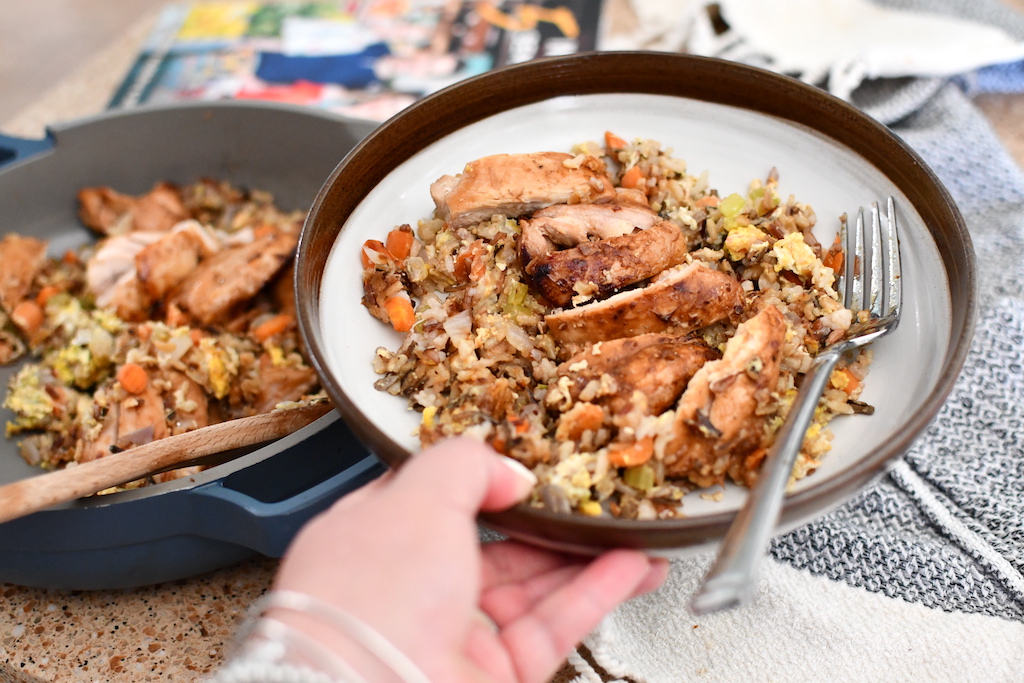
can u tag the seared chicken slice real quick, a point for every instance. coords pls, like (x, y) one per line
(656, 365)
(188, 409)
(517, 184)
(111, 277)
(166, 263)
(281, 382)
(110, 212)
(130, 421)
(21, 259)
(282, 290)
(567, 225)
(187, 402)
(141, 418)
(718, 420)
(130, 272)
(679, 301)
(234, 275)
(597, 269)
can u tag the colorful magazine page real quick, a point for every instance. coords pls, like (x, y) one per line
(364, 58)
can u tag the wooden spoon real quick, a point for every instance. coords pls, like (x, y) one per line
(36, 493)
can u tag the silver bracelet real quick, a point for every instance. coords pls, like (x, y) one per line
(269, 644)
(362, 633)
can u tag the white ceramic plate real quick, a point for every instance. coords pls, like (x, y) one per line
(735, 144)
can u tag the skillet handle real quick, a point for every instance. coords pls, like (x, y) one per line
(14, 149)
(234, 511)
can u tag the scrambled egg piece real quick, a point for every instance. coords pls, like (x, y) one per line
(29, 401)
(795, 255)
(744, 240)
(221, 365)
(573, 478)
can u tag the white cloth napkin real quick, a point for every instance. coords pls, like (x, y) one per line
(921, 576)
(800, 628)
(837, 44)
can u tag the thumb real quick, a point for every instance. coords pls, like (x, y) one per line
(465, 473)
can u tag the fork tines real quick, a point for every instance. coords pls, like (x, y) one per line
(883, 296)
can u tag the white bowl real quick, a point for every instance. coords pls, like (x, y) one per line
(733, 121)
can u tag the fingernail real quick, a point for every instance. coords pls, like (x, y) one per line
(525, 479)
(486, 620)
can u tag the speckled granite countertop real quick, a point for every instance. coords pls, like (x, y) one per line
(170, 632)
(175, 631)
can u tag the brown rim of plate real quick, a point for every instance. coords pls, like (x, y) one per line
(686, 76)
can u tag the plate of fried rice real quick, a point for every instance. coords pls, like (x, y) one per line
(616, 269)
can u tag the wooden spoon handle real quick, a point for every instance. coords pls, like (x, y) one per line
(36, 493)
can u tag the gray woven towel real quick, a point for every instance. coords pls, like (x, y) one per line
(921, 576)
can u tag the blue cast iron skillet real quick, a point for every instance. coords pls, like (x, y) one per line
(252, 504)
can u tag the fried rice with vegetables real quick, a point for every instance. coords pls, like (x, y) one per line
(611, 321)
(180, 315)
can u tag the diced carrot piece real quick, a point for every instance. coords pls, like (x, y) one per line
(272, 326)
(631, 455)
(28, 316)
(498, 442)
(754, 460)
(632, 178)
(133, 378)
(580, 418)
(263, 231)
(400, 242)
(175, 316)
(401, 312)
(71, 258)
(46, 293)
(195, 335)
(707, 200)
(852, 384)
(613, 141)
(520, 424)
(834, 257)
(367, 253)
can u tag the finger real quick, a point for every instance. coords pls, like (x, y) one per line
(654, 579)
(487, 654)
(508, 602)
(512, 562)
(540, 639)
(463, 474)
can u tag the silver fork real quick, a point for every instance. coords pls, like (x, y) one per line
(870, 281)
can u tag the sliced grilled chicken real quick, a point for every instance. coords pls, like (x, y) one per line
(281, 382)
(718, 420)
(517, 184)
(21, 259)
(130, 272)
(678, 301)
(130, 421)
(597, 269)
(166, 263)
(233, 275)
(567, 225)
(656, 365)
(109, 212)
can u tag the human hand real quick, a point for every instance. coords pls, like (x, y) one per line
(403, 555)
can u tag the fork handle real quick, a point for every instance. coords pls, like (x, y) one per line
(731, 580)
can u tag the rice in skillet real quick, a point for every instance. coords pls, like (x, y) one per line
(612, 322)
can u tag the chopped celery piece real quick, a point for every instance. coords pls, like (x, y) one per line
(732, 205)
(640, 477)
